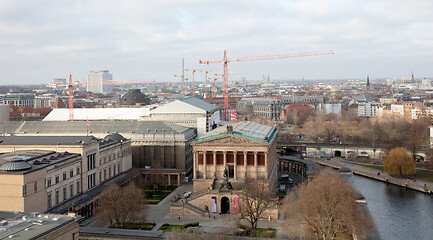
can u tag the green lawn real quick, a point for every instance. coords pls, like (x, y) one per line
(424, 175)
(260, 232)
(162, 192)
(265, 232)
(170, 228)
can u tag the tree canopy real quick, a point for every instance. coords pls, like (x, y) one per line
(326, 208)
(399, 161)
(254, 199)
(119, 206)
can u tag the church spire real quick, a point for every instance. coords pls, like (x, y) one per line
(368, 83)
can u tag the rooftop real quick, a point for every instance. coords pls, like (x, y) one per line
(185, 105)
(80, 127)
(24, 161)
(199, 103)
(47, 140)
(62, 114)
(245, 129)
(17, 225)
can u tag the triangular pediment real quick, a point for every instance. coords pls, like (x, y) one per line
(229, 140)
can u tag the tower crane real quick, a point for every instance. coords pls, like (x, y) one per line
(226, 60)
(214, 88)
(169, 87)
(205, 82)
(193, 81)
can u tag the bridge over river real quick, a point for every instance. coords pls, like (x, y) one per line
(333, 150)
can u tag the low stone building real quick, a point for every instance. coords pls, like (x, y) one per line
(244, 148)
(222, 160)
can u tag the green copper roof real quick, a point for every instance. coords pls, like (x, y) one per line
(249, 130)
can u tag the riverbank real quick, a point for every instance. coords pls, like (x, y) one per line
(418, 185)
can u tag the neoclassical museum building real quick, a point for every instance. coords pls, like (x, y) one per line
(222, 159)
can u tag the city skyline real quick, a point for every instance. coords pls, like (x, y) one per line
(147, 40)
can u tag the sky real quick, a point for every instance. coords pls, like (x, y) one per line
(43, 40)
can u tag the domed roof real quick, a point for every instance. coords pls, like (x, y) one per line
(133, 97)
(15, 165)
(115, 137)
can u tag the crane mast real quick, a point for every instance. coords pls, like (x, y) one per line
(226, 60)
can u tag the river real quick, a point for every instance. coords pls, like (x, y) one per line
(397, 212)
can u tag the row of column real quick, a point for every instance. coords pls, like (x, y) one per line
(291, 167)
(196, 156)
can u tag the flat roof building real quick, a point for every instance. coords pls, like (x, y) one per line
(24, 226)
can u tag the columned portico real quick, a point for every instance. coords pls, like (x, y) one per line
(244, 149)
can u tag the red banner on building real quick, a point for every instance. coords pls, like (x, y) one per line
(234, 116)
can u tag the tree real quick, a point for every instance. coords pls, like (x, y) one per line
(417, 135)
(254, 199)
(399, 162)
(119, 206)
(325, 207)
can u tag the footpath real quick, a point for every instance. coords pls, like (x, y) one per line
(415, 184)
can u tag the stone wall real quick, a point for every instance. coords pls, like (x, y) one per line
(200, 184)
(181, 211)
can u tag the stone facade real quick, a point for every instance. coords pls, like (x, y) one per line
(227, 155)
(240, 156)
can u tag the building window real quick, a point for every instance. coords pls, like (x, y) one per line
(114, 169)
(36, 186)
(57, 179)
(105, 159)
(24, 190)
(57, 197)
(78, 170)
(49, 201)
(105, 174)
(118, 167)
(64, 176)
(78, 187)
(64, 193)
(109, 172)
(71, 190)
(100, 176)
(49, 182)
(91, 161)
(71, 173)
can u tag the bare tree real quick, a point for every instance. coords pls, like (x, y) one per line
(119, 206)
(254, 199)
(326, 208)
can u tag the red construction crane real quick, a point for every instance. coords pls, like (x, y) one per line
(105, 82)
(226, 60)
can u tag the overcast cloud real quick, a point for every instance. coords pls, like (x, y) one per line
(43, 40)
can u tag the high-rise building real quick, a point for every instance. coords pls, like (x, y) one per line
(97, 81)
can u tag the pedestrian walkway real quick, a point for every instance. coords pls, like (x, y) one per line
(415, 184)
